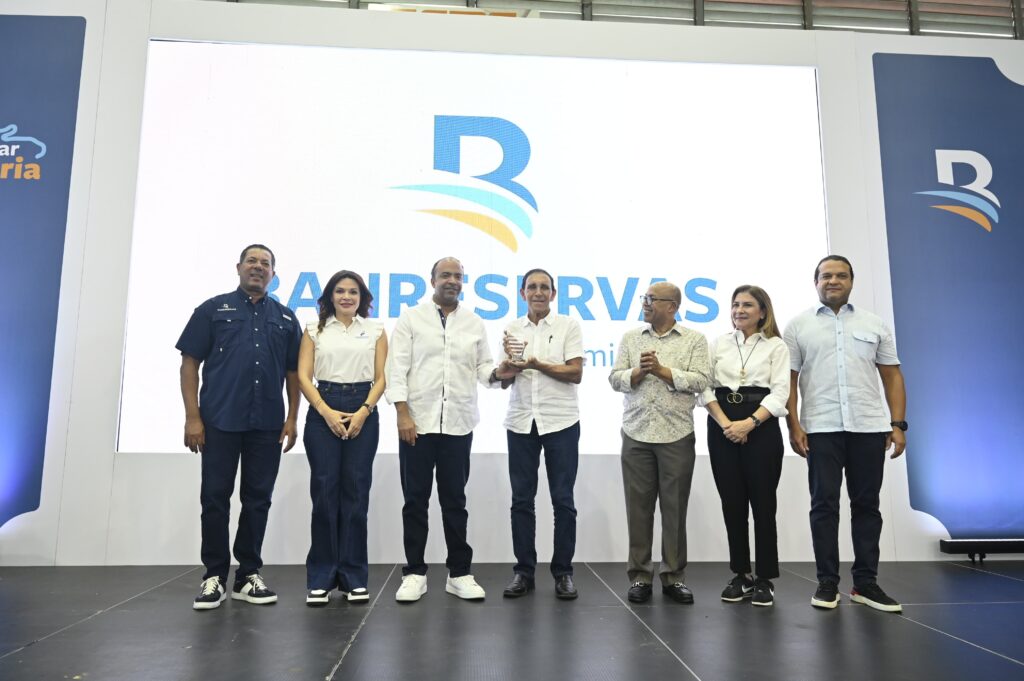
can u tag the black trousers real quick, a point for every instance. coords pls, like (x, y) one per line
(747, 476)
(448, 456)
(862, 456)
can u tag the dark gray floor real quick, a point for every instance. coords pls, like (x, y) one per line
(960, 621)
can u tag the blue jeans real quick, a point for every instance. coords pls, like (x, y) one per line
(561, 459)
(340, 475)
(260, 454)
(862, 455)
(449, 454)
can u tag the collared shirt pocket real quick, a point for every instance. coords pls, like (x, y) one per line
(279, 329)
(865, 344)
(551, 348)
(228, 329)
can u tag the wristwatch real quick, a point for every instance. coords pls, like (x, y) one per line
(756, 420)
(902, 425)
(369, 407)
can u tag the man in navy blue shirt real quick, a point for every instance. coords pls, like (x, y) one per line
(248, 346)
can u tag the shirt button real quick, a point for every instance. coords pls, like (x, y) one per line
(257, 345)
(255, 329)
(257, 361)
(257, 380)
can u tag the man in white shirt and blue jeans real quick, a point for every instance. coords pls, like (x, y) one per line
(835, 351)
(438, 354)
(543, 413)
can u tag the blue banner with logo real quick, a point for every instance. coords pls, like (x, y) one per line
(952, 149)
(40, 70)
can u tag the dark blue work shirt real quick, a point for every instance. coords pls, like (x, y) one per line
(245, 349)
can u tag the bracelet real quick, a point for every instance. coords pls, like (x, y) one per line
(494, 376)
(369, 407)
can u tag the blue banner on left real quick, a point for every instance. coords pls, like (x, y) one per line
(40, 72)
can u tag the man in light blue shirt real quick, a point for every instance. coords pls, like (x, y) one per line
(837, 351)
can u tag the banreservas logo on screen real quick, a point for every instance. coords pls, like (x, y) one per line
(496, 295)
(515, 147)
(981, 202)
(495, 298)
(18, 154)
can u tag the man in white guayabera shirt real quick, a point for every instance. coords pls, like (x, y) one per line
(438, 354)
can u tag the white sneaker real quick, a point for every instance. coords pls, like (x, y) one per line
(318, 597)
(360, 595)
(465, 587)
(413, 586)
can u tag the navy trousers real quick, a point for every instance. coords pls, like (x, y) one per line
(260, 454)
(561, 459)
(862, 456)
(449, 456)
(340, 475)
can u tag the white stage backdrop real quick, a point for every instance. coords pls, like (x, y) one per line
(611, 174)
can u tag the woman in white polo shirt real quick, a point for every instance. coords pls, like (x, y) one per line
(344, 352)
(747, 396)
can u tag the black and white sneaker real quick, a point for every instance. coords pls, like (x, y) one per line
(826, 596)
(317, 598)
(254, 590)
(764, 593)
(360, 595)
(211, 595)
(872, 596)
(739, 588)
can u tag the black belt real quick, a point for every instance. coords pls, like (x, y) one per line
(328, 386)
(745, 394)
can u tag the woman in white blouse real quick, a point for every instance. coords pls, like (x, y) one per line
(345, 352)
(748, 393)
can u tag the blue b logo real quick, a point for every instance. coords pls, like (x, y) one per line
(500, 213)
(448, 134)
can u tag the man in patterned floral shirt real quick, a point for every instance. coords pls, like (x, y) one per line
(660, 367)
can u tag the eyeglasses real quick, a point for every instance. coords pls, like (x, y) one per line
(647, 299)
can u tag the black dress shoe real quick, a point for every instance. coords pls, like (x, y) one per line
(519, 585)
(564, 588)
(678, 592)
(640, 592)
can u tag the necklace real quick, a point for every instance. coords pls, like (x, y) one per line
(743, 362)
